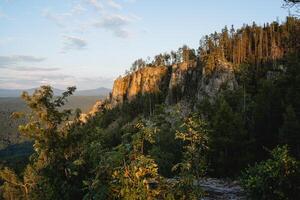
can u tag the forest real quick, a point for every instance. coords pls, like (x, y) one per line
(147, 148)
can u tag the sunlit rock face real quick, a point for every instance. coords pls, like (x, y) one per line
(120, 88)
(178, 82)
(146, 80)
(186, 80)
(95, 109)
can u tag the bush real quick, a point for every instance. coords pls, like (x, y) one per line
(275, 178)
(138, 180)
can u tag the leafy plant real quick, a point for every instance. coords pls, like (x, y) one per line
(138, 180)
(277, 178)
(194, 134)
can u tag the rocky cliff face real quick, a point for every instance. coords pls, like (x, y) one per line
(180, 81)
(146, 80)
(210, 84)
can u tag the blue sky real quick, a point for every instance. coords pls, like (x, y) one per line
(88, 43)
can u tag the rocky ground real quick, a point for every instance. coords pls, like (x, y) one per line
(217, 189)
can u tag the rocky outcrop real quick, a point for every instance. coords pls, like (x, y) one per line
(96, 108)
(187, 80)
(217, 189)
(212, 83)
(119, 91)
(143, 81)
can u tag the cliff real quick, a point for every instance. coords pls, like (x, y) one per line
(212, 83)
(146, 80)
(185, 80)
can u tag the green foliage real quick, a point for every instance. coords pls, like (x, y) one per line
(138, 180)
(262, 113)
(54, 163)
(229, 141)
(275, 178)
(98, 183)
(194, 134)
(167, 120)
(289, 132)
(146, 133)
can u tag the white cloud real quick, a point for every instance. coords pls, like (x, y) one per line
(30, 79)
(58, 19)
(115, 23)
(78, 9)
(63, 19)
(45, 69)
(73, 43)
(130, 1)
(17, 59)
(114, 4)
(17, 62)
(14, 75)
(105, 18)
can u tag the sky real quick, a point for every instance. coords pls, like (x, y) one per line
(88, 43)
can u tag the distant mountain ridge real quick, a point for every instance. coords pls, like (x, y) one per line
(101, 92)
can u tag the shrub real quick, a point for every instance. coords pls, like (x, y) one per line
(138, 180)
(275, 178)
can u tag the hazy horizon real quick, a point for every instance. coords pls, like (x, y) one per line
(88, 43)
(32, 88)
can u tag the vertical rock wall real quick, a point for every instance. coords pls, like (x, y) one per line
(180, 81)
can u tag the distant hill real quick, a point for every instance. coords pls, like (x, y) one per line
(100, 92)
